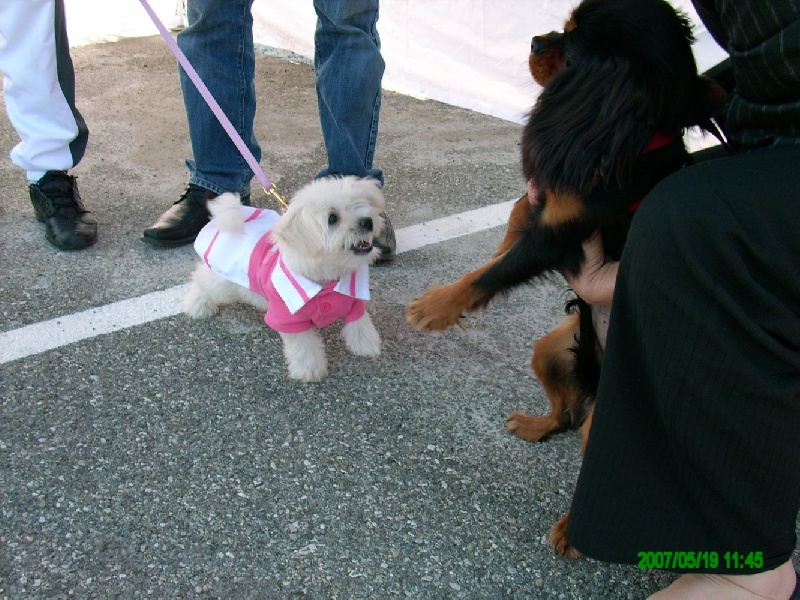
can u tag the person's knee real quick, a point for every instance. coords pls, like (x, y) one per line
(361, 14)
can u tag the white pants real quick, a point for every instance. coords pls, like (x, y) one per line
(39, 86)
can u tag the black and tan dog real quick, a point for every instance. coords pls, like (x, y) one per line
(620, 87)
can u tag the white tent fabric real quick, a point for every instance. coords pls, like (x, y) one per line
(469, 53)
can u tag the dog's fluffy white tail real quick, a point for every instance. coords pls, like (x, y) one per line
(225, 209)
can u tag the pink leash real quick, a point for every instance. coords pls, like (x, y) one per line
(268, 186)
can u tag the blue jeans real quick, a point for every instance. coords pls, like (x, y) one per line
(219, 44)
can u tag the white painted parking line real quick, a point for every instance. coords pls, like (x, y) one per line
(447, 228)
(61, 331)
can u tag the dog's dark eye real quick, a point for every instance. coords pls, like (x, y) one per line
(333, 218)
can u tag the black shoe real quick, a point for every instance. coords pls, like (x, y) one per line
(386, 242)
(180, 224)
(57, 204)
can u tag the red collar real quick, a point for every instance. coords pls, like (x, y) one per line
(659, 139)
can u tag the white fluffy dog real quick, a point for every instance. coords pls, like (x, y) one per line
(306, 268)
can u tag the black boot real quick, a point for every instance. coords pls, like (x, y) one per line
(180, 224)
(57, 204)
(386, 242)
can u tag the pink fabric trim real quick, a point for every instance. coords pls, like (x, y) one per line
(262, 248)
(293, 281)
(208, 250)
(254, 216)
(353, 283)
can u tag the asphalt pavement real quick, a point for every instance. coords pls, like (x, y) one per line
(146, 454)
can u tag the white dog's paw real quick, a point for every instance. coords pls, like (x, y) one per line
(198, 305)
(305, 355)
(361, 337)
(310, 373)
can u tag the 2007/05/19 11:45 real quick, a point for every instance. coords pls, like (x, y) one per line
(700, 560)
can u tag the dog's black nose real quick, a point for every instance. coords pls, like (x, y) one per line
(540, 43)
(365, 224)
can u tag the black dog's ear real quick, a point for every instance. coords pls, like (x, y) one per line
(588, 125)
(710, 99)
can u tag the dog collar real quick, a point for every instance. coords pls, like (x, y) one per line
(658, 140)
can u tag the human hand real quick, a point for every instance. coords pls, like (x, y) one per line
(597, 278)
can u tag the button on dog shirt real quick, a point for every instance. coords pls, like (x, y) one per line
(252, 260)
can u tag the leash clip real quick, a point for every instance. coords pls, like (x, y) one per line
(273, 191)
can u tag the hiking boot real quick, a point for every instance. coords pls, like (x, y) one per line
(386, 242)
(57, 204)
(181, 223)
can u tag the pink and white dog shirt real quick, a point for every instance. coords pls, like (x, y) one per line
(252, 260)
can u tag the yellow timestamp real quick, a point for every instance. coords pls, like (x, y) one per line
(701, 560)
